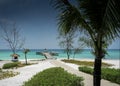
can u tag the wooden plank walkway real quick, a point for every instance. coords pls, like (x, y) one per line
(48, 56)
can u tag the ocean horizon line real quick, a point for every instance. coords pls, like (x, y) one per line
(53, 49)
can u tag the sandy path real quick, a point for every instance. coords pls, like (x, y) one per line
(25, 74)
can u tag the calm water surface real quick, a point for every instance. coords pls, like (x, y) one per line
(86, 54)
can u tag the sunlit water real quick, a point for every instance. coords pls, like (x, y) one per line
(85, 54)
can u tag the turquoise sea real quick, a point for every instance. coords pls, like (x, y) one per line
(85, 54)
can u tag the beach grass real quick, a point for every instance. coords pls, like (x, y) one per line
(110, 74)
(85, 63)
(54, 77)
(7, 74)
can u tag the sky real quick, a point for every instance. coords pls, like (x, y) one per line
(38, 22)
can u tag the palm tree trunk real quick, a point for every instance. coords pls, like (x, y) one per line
(98, 61)
(97, 72)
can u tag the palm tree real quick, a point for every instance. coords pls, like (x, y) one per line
(99, 20)
(25, 51)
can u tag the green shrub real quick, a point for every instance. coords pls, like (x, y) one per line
(11, 65)
(86, 69)
(112, 75)
(16, 64)
(54, 77)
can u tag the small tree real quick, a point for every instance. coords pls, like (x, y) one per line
(10, 33)
(66, 42)
(25, 51)
(78, 50)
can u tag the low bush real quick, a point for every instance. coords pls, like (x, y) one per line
(11, 65)
(86, 69)
(15, 64)
(112, 75)
(54, 77)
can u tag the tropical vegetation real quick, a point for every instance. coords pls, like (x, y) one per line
(98, 22)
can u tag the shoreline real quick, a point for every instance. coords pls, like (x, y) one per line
(81, 59)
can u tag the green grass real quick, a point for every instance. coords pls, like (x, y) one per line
(15, 65)
(7, 74)
(85, 63)
(112, 75)
(54, 77)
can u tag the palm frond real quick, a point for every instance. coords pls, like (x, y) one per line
(103, 16)
(99, 19)
(111, 20)
(93, 10)
(69, 17)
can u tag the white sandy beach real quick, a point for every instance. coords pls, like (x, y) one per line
(27, 72)
(115, 63)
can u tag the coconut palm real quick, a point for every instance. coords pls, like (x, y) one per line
(25, 51)
(99, 20)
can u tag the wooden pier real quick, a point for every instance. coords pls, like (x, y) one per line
(47, 55)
